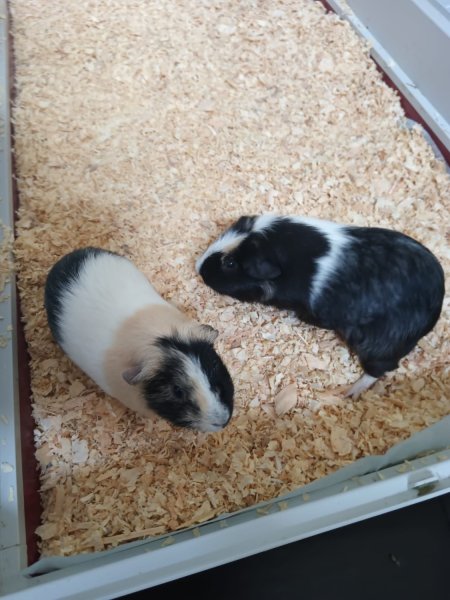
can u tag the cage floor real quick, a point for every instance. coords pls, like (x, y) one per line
(146, 127)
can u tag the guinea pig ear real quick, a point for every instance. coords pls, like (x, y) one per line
(261, 267)
(207, 333)
(133, 375)
(257, 264)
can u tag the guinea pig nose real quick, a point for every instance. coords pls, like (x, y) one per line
(222, 423)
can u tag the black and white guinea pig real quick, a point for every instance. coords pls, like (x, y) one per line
(137, 347)
(379, 289)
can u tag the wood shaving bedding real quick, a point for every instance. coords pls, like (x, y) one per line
(146, 127)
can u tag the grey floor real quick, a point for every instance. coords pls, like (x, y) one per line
(401, 555)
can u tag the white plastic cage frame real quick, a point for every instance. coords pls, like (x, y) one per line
(416, 470)
(410, 41)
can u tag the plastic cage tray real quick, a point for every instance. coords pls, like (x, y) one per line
(410, 472)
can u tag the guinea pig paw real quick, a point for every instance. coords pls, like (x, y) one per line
(364, 383)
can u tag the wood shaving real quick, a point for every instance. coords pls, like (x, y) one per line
(264, 510)
(168, 541)
(6, 262)
(286, 399)
(340, 442)
(146, 127)
(6, 467)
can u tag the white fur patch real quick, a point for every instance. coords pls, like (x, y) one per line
(265, 221)
(213, 414)
(268, 291)
(108, 290)
(327, 264)
(364, 383)
(335, 234)
(229, 240)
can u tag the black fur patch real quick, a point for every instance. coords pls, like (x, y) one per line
(162, 391)
(61, 275)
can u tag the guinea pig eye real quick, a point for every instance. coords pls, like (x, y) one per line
(178, 392)
(229, 263)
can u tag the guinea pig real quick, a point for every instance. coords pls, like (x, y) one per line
(380, 290)
(141, 350)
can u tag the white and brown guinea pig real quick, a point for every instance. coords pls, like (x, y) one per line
(379, 289)
(137, 347)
